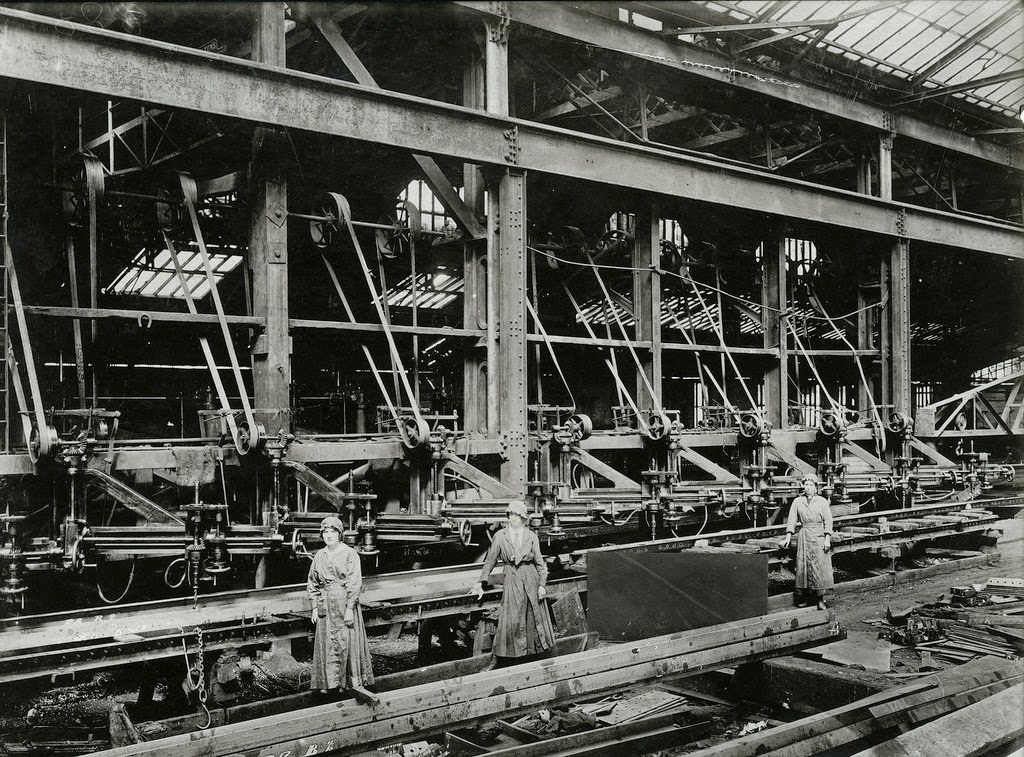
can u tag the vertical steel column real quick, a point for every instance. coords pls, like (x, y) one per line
(773, 298)
(268, 243)
(498, 281)
(647, 298)
(474, 307)
(509, 265)
(895, 281)
(885, 143)
(899, 324)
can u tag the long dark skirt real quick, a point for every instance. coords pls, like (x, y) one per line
(524, 624)
(341, 656)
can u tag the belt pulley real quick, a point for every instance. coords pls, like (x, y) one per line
(249, 434)
(331, 211)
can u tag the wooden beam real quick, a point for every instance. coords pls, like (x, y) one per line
(578, 103)
(432, 708)
(142, 317)
(729, 135)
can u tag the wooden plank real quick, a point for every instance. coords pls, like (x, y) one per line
(431, 708)
(979, 728)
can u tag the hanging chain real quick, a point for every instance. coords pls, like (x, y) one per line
(195, 674)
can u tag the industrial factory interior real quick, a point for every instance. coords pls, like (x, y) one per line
(512, 378)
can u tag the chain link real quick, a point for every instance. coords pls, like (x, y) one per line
(196, 674)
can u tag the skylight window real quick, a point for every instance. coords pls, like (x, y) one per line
(434, 290)
(152, 274)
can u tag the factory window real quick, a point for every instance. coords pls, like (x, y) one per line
(152, 274)
(998, 370)
(801, 254)
(432, 213)
(672, 231)
(622, 222)
(924, 393)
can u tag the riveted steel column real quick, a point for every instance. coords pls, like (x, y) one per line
(899, 324)
(510, 269)
(268, 242)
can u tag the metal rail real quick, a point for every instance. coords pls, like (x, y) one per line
(106, 637)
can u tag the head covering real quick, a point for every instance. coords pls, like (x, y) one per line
(517, 507)
(332, 522)
(810, 477)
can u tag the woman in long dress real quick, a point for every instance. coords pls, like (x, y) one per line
(813, 541)
(524, 626)
(341, 656)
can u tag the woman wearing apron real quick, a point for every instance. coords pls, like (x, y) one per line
(341, 656)
(524, 626)
(813, 542)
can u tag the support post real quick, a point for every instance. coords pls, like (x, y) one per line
(899, 304)
(268, 243)
(647, 298)
(509, 266)
(773, 298)
(885, 142)
(474, 309)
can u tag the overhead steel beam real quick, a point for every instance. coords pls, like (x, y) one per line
(752, 27)
(967, 86)
(591, 29)
(966, 44)
(59, 53)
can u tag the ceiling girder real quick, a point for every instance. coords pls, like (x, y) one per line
(592, 29)
(59, 53)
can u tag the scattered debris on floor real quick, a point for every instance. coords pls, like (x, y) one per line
(930, 711)
(976, 620)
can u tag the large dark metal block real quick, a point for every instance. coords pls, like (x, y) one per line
(634, 595)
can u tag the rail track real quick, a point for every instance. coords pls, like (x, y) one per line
(98, 638)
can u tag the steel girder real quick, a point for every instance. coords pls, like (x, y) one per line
(59, 53)
(581, 26)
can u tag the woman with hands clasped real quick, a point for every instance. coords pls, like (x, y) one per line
(524, 626)
(341, 656)
(813, 542)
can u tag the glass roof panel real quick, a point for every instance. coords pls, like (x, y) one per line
(910, 37)
(153, 275)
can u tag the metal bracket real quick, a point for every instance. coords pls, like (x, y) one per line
(889, 123)
(510, 440)
(901, 223)
(277, 214)
(512, 151)
(499, 31)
